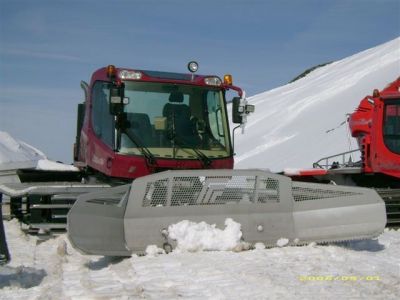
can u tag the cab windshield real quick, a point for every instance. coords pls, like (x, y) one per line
(391, 125)
(170, 121)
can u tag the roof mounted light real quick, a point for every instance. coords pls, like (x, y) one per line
(216, 81)
(193, 66)
(126, 74)
(375, 93)
(111, 71)
(228, 79)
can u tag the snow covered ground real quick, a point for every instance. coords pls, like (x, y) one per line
(299, 123)
(54, 270)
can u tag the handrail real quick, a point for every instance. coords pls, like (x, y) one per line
(337, 163)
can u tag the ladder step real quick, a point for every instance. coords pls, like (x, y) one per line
(50, 206)
(64, 197)
(58, 216)
(48, 226)
(393, 221)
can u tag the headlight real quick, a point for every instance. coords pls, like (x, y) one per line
(212, 81)
(125, 74)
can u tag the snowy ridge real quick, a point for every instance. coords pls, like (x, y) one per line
(16, 154)
(297, 124)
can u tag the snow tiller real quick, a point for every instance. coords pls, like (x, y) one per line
(126, 219)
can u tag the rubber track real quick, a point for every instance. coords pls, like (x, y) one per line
(392, 202)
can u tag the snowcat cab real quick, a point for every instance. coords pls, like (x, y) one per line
(140, 122)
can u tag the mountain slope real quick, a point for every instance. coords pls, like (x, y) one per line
(296, 124)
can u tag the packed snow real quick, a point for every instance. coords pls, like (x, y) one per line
(54, 270)
(295, 125)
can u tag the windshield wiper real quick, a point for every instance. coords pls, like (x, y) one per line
(204, 158)
(145, 151)
(200, 155)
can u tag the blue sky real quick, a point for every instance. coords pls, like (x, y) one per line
(47, 47)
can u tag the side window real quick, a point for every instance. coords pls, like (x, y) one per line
(102, 120)
(391, 127)
(215, 116)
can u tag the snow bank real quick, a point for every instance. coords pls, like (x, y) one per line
(192, 237)
(299, 123)
(15, 154)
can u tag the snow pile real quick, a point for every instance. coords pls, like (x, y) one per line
(282, 242)
(15, 154)
(259, 246)
(192, 237)
(153, 250)
(299, 123)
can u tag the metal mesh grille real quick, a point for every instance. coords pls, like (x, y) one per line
(211, 190)
(301, 193)
(156, 193)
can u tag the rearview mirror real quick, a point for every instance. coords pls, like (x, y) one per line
(237, 117)
(117, 100)
(239, 110)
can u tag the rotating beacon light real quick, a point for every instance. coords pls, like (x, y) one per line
(111, 71)
(228, 79)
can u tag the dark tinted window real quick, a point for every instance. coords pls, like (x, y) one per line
(102, 120)
(391, 125)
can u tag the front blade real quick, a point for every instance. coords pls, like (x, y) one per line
(268, 207)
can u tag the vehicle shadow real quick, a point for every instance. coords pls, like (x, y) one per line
(103, 262)
(22, 277)
(371, 245)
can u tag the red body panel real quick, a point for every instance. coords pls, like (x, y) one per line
(94, 153)
(366, 124)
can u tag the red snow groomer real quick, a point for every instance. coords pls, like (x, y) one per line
(376, 126)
